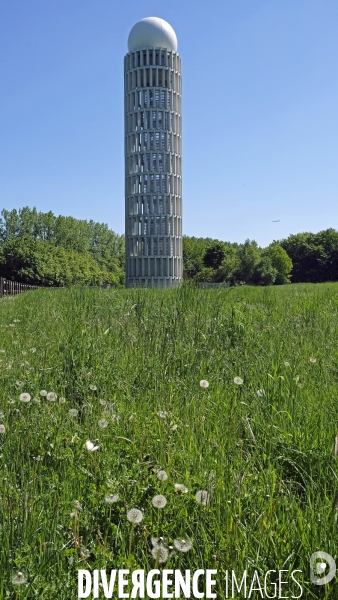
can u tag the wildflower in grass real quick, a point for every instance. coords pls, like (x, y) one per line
(25, 397)
(157, 541)
(51, 396)
(38, 458)
(180, 488)
(24, 352)
(103, 402)
(313, 360)
(90, 446)
(2, 428)
(162, 414)
(43, 393)
(37, 400)
(183, 545)
(103, 423)
(204, 383)
(238, 380)
(174, 427)
(19, 383)
(3, 351)
(160, 554)
(73, 412)
(85, 553)
(2, 414)
(77, 505)
(159, 501)
(111, 498)
(162, 475)
(62, 400)
(287, 364)
(261, 393)
(32, 350)
(11, 325)
(134, 515)
(10, 401)
(202, 497)
(19, 578)
(16, 320)
(73, 514)
(93, 387)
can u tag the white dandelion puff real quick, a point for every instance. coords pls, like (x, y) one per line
(183, 545)
(160, 554)
(90, 446)
(204, 383)
(73, 412)
(286, 363)
(93, 387)
(162, 475)
(32, 350)
(62, 400)
(51, 396)
(261, 392)
(103, 402)
(111, 498)
(2, 428)
(2, 414)
(77, 505)
(43, 393)
(25, 397)
(18, 383)
(202, 497)
(103, 423)
(238, 380)
(16, 320)
(312, 360)
(19, 578)
(134, 515)
(162, 414)
(157, 541)
(159, 501)
(180, 488)
(174, 427)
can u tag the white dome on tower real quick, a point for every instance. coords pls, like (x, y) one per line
(152, 32)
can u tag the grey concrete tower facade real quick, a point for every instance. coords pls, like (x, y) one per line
(153, 156)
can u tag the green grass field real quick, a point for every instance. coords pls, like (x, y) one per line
(129, 364)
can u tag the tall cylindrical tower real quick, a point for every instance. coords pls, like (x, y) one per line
(153, 149)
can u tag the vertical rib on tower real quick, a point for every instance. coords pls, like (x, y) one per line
(153, 168)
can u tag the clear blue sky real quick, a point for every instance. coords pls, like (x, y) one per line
(260, 111)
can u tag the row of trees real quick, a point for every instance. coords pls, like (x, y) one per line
(43, 249)
(40, 248)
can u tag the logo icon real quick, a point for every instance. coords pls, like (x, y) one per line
(319, 562)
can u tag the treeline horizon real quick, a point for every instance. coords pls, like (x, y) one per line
(45, 249)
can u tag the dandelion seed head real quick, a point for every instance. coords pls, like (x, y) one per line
(51, 396)
(183, 545)
(182, 489)
(43, 393)
(73, 412)
(162, 475)
(111, 498)
(38, 458)
(2, 414)
(157, 541)
(174, 427)
(93, 387)
(18, 383)
(77, 505)
(134, 515)
(90, 446)
(159, 501)
(204, 383)
(2, 428)
(261, 392)
(32, 350)
(238, 380)
(16, 320)
(313, 360)
(162, 414)
(202, 497)
(19, 578)
(103, 423)
(286, 363)
(103, 402)
(62, 400)
(160, 554)
(25, 397)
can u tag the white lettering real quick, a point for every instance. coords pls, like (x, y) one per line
(153, 587)
(138, 582)
(81, 593)
(259, 585)
(122, 583)
(272, 584)
(209, 582)
(108, 592)
(297, 582)
(182, 585)
(166, 582)
(195, 591)
(280, 583)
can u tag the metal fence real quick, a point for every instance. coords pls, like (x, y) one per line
(207, 285)
(8, 287)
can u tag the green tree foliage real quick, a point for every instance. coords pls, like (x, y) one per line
(314, 256)
(280, 261)
(87, 238)
(230, 265)
(39, 263)
(214, 255)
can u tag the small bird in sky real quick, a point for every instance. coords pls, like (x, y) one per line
(276, 221)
